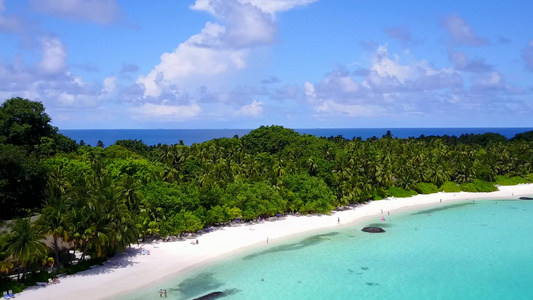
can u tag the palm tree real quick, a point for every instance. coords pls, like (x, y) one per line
(127, 191)
(53, 216)
(53, 222)
(24, 243)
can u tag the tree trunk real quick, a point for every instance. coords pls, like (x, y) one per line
(56, 249)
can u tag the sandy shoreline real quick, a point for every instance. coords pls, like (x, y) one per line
(131, 271)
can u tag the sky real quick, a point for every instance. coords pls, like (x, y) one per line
(185, 64)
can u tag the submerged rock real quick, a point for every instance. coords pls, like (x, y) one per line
(373, 229)
(210, 296)
(526, 198)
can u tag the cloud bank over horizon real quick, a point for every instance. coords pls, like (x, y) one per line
(246, 63)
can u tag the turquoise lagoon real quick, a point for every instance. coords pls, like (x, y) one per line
(470, 250)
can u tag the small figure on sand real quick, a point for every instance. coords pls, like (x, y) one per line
(382, 211)
(196, 242)
(338, 220)
(382, 218)
(267, 240)
(440, 200)
(161, 293)
(388, 213)
(165, 293)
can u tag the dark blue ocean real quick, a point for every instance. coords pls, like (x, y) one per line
(192, 136)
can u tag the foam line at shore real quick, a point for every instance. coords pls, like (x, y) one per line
(132, 271)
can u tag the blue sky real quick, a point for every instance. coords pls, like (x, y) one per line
(246, 63)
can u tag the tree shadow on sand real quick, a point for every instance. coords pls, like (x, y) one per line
(120, 260)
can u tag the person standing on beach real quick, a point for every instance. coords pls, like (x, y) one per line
(165, 293)
(338, 220)
(161, 293)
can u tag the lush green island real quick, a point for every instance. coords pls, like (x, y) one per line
(98, 200)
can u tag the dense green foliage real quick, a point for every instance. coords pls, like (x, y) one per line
(449, 187)
(426, 188)
(478, 186)
(102, 199)
(504, 180)
(397, 192)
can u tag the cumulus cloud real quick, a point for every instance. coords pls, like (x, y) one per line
(268, 6)
(461, 62)
(54, 55)
(50, 81)
(96, 11)
(252, 110)
(247, 24)
(389, 87)
(109, 84)
(164, 112)
(219, 48)
(199, 55)
(527, 55)
(461, 33)
(494, 81)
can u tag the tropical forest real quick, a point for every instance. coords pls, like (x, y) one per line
(61, 199)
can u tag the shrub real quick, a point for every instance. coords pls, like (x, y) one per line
(426, 188)
(400, 193)
(7, 284)
(450, 187)
(38, 276)
(83, 265)
(504, 180)
(529, 177)
(478, 186)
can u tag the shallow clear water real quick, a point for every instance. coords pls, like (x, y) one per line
(481, 250)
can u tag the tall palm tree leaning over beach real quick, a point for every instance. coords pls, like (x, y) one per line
(25, 244)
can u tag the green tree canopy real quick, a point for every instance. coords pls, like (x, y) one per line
(24, 123)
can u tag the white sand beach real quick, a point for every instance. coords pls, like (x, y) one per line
(131, 271)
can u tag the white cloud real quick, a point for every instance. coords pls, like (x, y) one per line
(50, 81)
(461, 62)
(163, 112)
(268, 6)
(461, 32)
(109, 84)
(386, 67)
(254, 109)
(332, 107)
(196, 56)
(218, 49)
(390, 87)
(97, 11)
(54, 55)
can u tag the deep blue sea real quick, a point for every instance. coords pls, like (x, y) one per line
(192, 136)
(470, 251)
